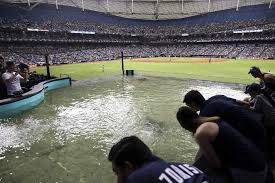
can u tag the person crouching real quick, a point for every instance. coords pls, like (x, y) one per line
(224, 147)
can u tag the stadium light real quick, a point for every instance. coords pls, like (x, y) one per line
(270, 4)
(237, 8)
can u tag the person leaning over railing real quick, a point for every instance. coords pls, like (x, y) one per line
(224, 147)
(267, 79)
(133, 162)
(248, 123)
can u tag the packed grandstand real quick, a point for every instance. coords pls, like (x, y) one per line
(69, 35)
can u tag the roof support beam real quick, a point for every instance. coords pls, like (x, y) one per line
(209, 6)
(29, 4)
(157, 10)
(238, 3)
(56, 4)
(108, 8)
(270, 4)
(36, 4)
(132, 9)
(82, 4)
(182, 6)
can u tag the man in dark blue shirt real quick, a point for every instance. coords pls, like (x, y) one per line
(248, 123)
(133, 162)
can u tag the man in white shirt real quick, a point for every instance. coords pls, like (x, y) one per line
(12, 79)
(3, 90)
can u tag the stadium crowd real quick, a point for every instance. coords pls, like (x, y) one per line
(235, 137)
(62, 54)
(58, 24)
(9, 35)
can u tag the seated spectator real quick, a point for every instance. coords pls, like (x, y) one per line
(12, 79)
(24, 67)
(267, 78)
(3, 92)
(24, 71)
(225, 147)
(133, 162)
(2, 65)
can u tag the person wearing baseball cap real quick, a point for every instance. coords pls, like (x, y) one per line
(267, 78)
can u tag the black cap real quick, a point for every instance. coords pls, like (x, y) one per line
(254, 69)
(252, 87)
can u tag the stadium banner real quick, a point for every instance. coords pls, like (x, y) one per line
(185, 35)
(81, 32)
(37, 30)
(247, 31)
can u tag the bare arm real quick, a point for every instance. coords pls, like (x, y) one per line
(208, 119)
(206, 133)
(243, 103)
(252, 108)
(198, 155)
(270, 78)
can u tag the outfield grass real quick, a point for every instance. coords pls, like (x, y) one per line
(234, 71)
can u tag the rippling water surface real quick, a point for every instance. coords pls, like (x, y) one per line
(68, 136)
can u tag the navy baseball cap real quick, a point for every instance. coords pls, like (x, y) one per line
(254, 69)
(252, 87)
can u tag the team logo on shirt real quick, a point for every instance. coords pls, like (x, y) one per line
(179, 173)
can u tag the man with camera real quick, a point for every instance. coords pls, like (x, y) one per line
(12, 79)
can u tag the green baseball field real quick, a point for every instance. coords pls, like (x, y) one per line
(224, 70)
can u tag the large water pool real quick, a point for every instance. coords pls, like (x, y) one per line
(68, 136)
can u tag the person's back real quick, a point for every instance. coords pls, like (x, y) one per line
(269, 81)
(133, 162)
(238, 152)
(248, 123)
(224, 147)
(221, 97)
(158, 171)
(224, 106)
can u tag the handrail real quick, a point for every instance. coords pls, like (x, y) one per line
(64, 75)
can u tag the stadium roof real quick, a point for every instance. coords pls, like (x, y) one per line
(149, 9)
